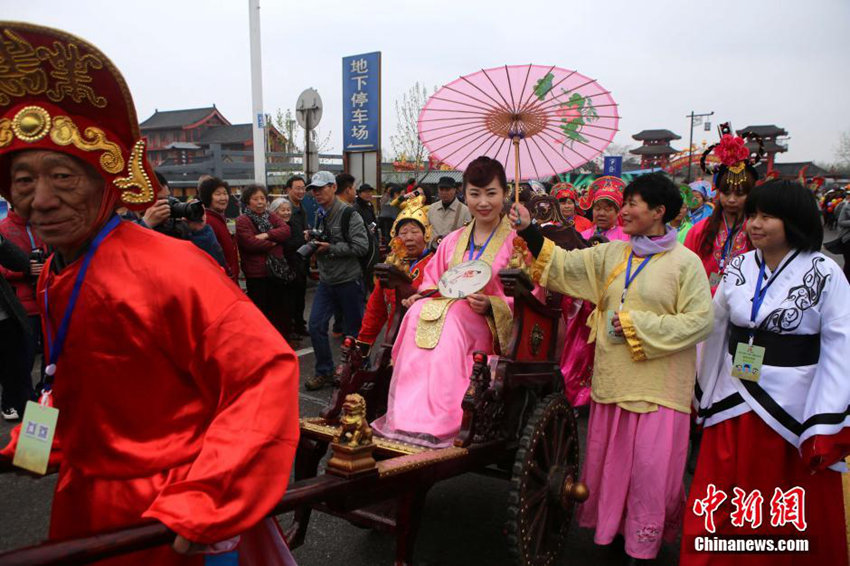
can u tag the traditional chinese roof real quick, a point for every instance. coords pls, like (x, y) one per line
(171, 119)
(653, 150)
(182, 145)
(237, 133)
(766, 131)
(654, 135)
(792, 170)
(770, 146)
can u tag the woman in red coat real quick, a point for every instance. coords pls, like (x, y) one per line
(215, 194)
(258, 235)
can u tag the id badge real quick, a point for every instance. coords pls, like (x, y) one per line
(748, 361)
(36, 437)
(613, 338)
(714, 279)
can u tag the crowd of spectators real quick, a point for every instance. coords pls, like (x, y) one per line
(334, 226)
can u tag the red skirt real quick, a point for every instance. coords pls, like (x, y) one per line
(744, 452)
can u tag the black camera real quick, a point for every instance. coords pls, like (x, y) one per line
(38, 256)
(191, 211)
(310, 247)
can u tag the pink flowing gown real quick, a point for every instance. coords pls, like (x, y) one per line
(427, 387)
(577, 355)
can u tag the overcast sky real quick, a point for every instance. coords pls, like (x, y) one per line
(752, 62)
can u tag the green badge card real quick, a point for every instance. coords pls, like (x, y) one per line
(714, 279)
(748, 361)
(613, 338)
(36, 438)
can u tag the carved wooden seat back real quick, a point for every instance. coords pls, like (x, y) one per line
(535, 328)
(371, 382)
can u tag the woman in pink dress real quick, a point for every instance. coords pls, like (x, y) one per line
(432, 356)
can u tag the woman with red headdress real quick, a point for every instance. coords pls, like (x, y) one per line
(567, 200)
(605, 196)
(723, 236)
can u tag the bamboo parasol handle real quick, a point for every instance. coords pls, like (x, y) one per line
(515, 140)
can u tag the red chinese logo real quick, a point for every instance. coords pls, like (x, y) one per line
(747, 508)
(707, 506)
(788, 507)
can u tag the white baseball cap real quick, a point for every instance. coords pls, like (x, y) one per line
(321, 179)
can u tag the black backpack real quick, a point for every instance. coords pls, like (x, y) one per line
(370, 258)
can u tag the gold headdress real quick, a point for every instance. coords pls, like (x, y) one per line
(411, 210)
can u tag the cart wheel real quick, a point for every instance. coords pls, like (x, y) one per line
(545, 486)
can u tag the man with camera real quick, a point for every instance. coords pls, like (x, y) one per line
(182, 220)
(346, 193)
(340, 275)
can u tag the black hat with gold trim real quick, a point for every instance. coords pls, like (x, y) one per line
(60, 93)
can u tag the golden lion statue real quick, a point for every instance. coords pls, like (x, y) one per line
(355, 430)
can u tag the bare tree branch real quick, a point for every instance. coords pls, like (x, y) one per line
(406, 143)
(288, 125)
(842, 151)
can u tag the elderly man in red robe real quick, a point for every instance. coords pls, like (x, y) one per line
(177, 401)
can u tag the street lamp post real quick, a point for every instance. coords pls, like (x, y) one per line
(257, 93)
(691, 139)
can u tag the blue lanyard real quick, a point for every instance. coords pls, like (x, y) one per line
(761, 293)
(425, 253)
(727, 245)
(32, 240)
(472, 243)
(630, 277)
(55, 346)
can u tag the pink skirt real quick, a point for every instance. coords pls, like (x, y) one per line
(577, 355)
(634, 469)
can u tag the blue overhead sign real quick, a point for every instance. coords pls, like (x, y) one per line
(361, 102)
(613, 165)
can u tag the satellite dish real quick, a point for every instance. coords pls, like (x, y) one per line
(308, 109)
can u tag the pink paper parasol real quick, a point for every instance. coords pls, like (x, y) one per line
(537, 120)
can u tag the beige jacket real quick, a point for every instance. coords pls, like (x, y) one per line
(445, 220)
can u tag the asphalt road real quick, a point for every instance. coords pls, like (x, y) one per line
(463, 522)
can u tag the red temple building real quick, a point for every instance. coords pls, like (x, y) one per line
(179, 137)
(768, 135)
(656, 150)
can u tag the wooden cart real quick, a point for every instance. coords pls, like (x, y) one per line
(516, 425)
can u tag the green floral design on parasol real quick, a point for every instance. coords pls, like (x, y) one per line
(576, 111)
(543, 86)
